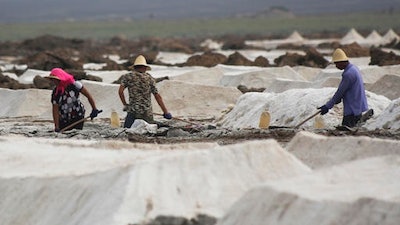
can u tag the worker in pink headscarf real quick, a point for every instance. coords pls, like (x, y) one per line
(67, 108)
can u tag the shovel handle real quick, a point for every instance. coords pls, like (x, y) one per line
(77, 122)
(176, 118)
(74, 123)
(309, 118)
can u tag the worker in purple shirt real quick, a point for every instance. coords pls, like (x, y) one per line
(351, 91)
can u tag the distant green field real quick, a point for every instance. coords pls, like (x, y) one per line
(202, 28)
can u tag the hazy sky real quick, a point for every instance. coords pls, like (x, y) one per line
(45, 10)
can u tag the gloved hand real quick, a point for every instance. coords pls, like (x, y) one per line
(125, 108)
(167, 116)
(94, 113)
(324, 109)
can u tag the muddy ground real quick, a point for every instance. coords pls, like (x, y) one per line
(170, 132)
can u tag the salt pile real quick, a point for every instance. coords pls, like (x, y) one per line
(261, 78)
(388, 86)
(359, 192)
(313, 179)
(353, 188)
(374, 38)
(352, 36)
(27, 102)
(389, 118)
(391, 36)
(100, 182)
(318, 151)
(291, 107)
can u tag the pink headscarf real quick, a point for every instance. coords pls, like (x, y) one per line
(65, 79)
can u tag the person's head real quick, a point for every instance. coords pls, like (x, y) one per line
(140, 64)
(340, 59)
(53, 78)
(61, 79)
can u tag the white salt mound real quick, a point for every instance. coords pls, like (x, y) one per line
(208, 76)
(391, 36)
(261, 78)
(319, 151)
(388, 86)
(359, 192)
(195, 100)
(388, 119)
(94, 183)
(25, 102)
(291, 107)
(352, 36)
(28, 76)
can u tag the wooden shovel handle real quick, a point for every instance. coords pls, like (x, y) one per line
(309, 118)
(77, 122)
(176, 118)
(74, 123)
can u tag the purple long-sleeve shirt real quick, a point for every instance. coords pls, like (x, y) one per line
(351, 90)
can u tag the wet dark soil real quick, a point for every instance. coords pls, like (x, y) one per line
(170, 133)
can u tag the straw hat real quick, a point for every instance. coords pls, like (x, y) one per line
(339, 56)
(51, 76)
(140, 61)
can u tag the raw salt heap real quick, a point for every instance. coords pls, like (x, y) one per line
(373, 39)
(113, 183)
(391, 36)
(306, 146)
(388, 86)
(359, 191)
(389, 118)
(290, 108)
(352, 36)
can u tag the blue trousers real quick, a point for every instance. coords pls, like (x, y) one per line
(129, 119)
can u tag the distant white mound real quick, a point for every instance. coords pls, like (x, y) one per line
(373, 39)
(261, 78)
(295, 37)
(374, 36)
(211, 44)
(352, 36)
(391, 36)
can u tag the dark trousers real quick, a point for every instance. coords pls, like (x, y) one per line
(130, 118)
(78, 126)
(350, 120)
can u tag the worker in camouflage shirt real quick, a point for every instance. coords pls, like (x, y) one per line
(140, 86)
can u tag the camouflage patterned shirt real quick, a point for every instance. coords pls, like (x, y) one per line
(140, 87)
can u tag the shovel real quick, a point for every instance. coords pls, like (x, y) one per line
(309, 118)
(77, 122)
(179, 119)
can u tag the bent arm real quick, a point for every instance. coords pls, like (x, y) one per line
(86, 93)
